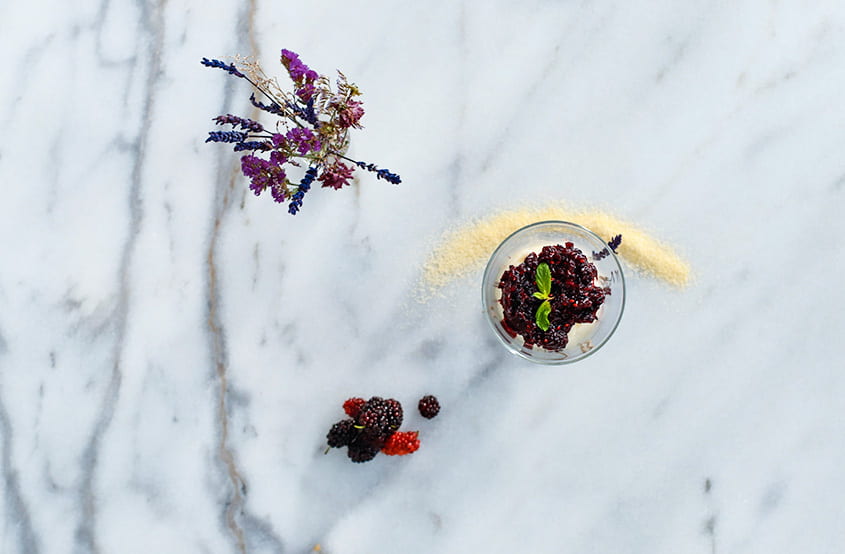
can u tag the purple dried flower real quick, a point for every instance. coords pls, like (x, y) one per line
(278, 193)
(262, 145)
(336, 175)
(264, 174)
(349, 113)
(278, 140)
(304, 140)
(296, 202)
(314, 122)
(307, 113)
(230, 67)
(277, 158)
(304, 186)
(273, 108)
(310, 114)
(251, 165)
(242, 122)
(604, 252)
(289, 56)
(226, 136)
(296, 69)
(306, 92)
(388, 176)
(380, 173)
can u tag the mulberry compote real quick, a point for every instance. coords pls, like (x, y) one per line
(574, 296)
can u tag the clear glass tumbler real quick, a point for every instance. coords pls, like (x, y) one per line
(584, 338)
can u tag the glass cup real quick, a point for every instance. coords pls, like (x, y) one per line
(584, 338)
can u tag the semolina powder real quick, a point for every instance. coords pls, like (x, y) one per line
(464, 250)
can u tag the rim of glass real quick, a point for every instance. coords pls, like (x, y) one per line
(519, 352)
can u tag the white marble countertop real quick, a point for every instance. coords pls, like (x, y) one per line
(173, 349)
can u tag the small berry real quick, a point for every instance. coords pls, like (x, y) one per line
(366, 445)
(374, 438)
(401, 443)
(352, 406)
(360, 452)
(373, 414)
(429, 406)
(394, 413)
(342, 433)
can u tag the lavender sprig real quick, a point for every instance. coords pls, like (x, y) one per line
(273, 108)
(604, 252)
(230, 67)
(307, 113)
(226, 136)
(304, 186)
(380, 173)
(242, 122)
(262, 145)
(314, 120)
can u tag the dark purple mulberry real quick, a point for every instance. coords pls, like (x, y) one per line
(342, 433)
(394, 414)
(362, 453)
(429, 406)
(365, 447)
(373, 414)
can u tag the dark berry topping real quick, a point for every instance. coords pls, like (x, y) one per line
(574, 297)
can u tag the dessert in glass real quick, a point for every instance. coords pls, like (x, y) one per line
(553, 292)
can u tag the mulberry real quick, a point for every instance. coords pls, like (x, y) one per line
(401, 443)
(429, 406)
(361, 451)
(342, 433)
(394, 414)
(373, 414)
(352, 406)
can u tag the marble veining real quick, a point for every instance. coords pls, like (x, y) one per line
(173, 349)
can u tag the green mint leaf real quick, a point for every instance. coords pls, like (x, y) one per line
(540, 295)
(543, 278)
(542, 317)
